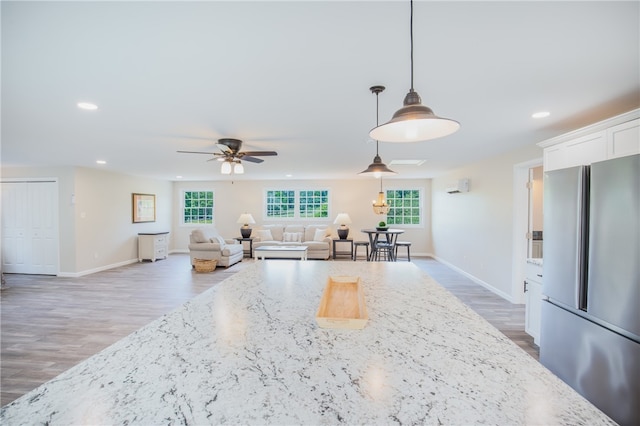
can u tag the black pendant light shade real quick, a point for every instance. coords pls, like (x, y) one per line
(414, 122)
(378, 168)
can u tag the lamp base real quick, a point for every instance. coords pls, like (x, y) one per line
(343, 233)
(245, 232)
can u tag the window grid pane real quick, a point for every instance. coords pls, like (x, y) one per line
(314, 204)
(405, 207)
(280, 203)
(198, 207)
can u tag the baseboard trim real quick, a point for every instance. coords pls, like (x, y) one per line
(98, 269)
(476, 280)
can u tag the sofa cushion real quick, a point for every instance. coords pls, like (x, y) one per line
(197, 236)
(276, 231)
(319, 235)
(310, 232)
(292, 237)
(264, 235)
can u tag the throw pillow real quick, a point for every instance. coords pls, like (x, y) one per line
(198, 236)
(292, 237)
(319, 235)
(264, 235)
(218, 239)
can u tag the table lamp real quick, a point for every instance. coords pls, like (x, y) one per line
(343, 219)
(245, 219)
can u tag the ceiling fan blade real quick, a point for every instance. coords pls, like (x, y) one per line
(198, 152)
(260, 153)
(251, 159)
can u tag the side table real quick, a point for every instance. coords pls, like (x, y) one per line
(342, 253)
(246, 253)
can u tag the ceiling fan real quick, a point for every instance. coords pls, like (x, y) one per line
(231, 154)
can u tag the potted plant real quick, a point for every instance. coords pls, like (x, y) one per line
(382, 226)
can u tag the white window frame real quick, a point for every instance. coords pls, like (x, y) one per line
(183, 207)
(420, 207)
(296, 204)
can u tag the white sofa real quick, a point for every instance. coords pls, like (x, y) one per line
(214, 247)
(317, 238)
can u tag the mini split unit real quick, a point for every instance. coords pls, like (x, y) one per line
(461, 186)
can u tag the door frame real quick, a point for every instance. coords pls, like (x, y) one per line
(520, 227)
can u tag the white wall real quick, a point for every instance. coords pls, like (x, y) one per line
(96, 232)
(351, 196)
(473, 231)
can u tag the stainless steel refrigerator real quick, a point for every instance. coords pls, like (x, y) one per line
(590, 335)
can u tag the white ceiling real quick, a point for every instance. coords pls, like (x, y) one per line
(294, 77)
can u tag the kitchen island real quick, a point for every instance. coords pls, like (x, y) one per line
(249, 351)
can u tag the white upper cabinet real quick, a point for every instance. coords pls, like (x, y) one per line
(616, 137)
(624, 139)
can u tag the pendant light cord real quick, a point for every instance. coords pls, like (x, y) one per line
(411, 39)
(377, 109)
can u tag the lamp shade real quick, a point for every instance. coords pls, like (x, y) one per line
(414, 122)
(378, 168)
(246, 219)
(238, 168)
(342, 219)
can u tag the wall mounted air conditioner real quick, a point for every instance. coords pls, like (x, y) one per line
(461, 186)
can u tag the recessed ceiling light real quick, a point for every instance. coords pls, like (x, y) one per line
(178, 177)
(541, 114)
(407, 162)
(101, 162)
(87, 106)
(288, 175)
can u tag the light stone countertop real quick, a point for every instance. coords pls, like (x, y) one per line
(248, 351)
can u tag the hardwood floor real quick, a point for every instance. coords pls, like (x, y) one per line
(50, 324)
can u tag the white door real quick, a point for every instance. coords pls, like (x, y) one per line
(30, 227)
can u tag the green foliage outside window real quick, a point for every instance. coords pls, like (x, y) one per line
(314, 204)
(281, 203)
(405, 207)
(198, 207)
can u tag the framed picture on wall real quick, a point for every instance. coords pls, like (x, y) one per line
(144, 208)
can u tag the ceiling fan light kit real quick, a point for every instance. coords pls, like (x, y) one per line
(414, 122)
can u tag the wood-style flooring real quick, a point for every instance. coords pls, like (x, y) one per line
(49, 324)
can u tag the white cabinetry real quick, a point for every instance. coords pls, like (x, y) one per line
(613, 138)
(153, 246)
(623, 139)
(533, 301)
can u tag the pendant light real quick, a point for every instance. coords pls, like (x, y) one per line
(414, 122)
(380, 206)
(225, 169)
(378, 168)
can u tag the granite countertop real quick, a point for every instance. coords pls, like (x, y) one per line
(248, 351)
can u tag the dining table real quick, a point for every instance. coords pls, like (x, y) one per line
(391, 236)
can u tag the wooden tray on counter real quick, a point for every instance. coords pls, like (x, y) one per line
(342, 304)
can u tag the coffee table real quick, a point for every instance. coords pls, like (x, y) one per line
(280, 252)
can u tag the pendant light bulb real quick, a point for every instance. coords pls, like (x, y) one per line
(414, 122)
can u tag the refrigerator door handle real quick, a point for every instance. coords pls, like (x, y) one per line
(583, 240)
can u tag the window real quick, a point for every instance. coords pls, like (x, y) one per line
(314, 204)
(281, 204)
(198, 208)
(406, 206)
(303, 204)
